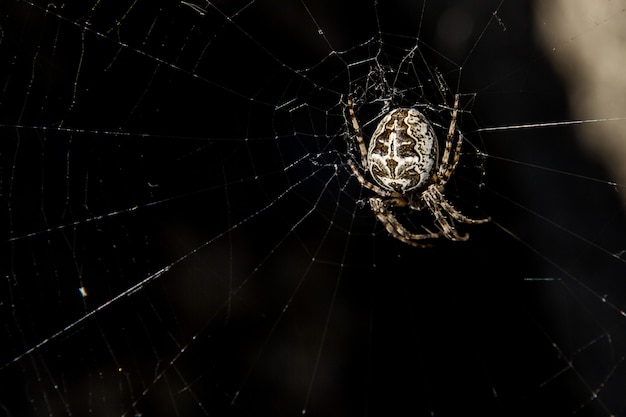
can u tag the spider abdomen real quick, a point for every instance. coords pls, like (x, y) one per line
(403, 151)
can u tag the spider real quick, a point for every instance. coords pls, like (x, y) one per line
(402, 158)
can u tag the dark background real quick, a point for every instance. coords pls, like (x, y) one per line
(144, 157)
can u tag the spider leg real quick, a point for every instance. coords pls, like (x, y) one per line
(450, 209)
(445, 213)
(359, 134)
(460, 217)
(447, 167)
(395, 228)
(441, 220)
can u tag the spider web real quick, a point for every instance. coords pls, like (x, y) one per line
(183, 234)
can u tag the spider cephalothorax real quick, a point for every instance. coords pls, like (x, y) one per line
(403, 159)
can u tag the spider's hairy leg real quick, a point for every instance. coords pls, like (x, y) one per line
(447, 167)
(395, 228)
(447, 227)
(359, 134)
(441, 200)
(460, 217)
(445, 214)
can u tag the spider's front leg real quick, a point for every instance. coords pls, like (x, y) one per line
(445, 213)
(395, 228)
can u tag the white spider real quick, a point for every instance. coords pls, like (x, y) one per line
(403, 160)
